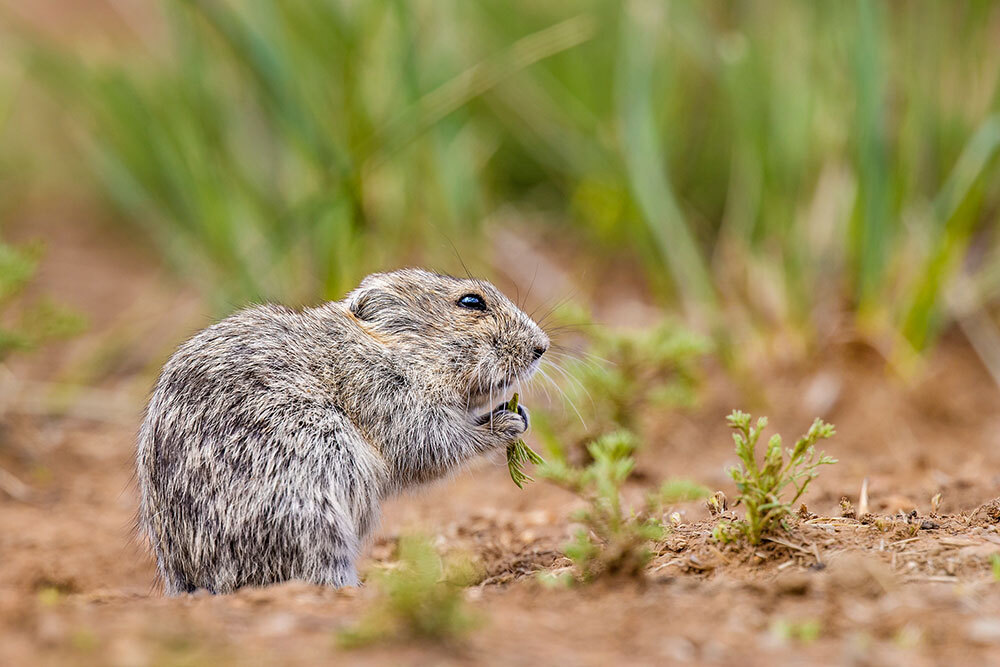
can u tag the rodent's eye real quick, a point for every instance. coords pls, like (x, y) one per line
(472, 302)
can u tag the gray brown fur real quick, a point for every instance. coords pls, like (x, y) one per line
(273, 436)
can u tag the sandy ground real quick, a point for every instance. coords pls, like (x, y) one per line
(76, 587)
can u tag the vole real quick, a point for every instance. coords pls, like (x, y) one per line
(272, 437)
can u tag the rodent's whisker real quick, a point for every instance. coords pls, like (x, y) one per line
(569, 326)
(568, 400)
(575, 357)
(491, 409)
(580, 355)
(548, 312)
(576, 384)
(572, 380)
(544, 386)
(566, 299)
(530, 285)
(589, 364)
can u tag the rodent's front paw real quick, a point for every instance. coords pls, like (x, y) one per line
(506, 422)
(524, 415)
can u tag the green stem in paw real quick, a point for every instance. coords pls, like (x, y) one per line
(519, 455)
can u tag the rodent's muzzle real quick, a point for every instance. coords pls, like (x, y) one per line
(481, 400)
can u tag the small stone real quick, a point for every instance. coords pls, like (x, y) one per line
(847, 509)
(277, 625)
(992, 510)
(985, 630)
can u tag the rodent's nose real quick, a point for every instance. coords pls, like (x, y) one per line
(539, 351)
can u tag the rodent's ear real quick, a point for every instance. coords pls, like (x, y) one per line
(365, 304)
(359, 306)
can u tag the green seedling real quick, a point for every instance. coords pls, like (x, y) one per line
(619, 375)
(519, 455)
(420, 598)
(995, 564)
(612, 540)
(762, 488)
(804, 631)
(49, 596)
(35, 322)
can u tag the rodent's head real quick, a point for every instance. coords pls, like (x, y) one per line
(465, 335)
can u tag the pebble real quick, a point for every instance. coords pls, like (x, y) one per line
(985, 630)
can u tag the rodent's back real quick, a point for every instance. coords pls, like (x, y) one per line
(227, 378)
(233, 447)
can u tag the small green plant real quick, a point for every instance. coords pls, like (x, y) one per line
(420, 598)
(805, 631)
(613, 540)
(650, 367)
(25, 325)
(620, 375)
(761, 488)
(520, 455)
(995, 564)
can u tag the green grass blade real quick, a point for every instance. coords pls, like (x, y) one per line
(957, 218)
(645, 162)
(871, 228)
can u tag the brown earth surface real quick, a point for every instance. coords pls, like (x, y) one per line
(902, 585)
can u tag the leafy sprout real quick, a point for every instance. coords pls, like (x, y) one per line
(763, 489)
(420, 598)
(27, 324)
(612, 540)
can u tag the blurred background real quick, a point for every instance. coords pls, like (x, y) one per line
(787, 206)
(808, 170)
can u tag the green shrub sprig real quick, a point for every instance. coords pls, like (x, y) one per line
(421, 598)
(762, 488)
(612, 540)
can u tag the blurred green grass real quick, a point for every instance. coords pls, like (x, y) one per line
(765, 163)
